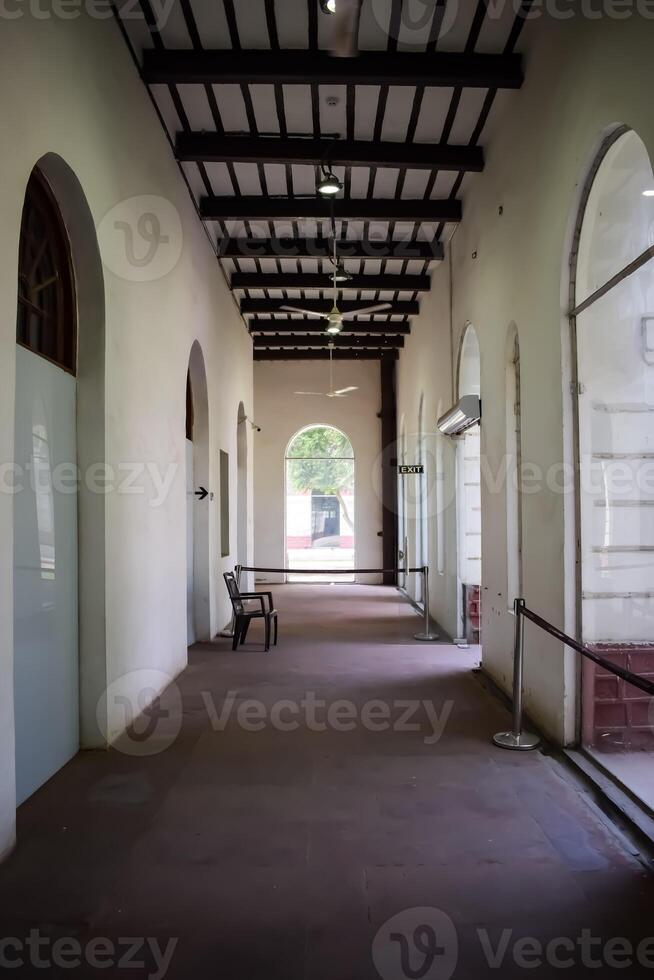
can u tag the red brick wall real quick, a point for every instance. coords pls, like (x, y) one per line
(617, 716)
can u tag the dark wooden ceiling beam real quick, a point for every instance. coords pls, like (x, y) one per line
(323, 355)
(303, 280)
(320, 248)
(255, 306)
(216, 148)
(340, 341)
(229, 208)
(445, 69)
(352, 327)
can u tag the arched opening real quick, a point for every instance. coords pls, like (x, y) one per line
(612, 292)
(198, 511)
(59, 521)
(242, 490)
(513, 470)
(468, 480)
(320, 502)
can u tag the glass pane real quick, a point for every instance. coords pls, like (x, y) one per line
(321, 441)
(616, 420)
(619, 221)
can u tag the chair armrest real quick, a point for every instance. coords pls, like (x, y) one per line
(252, 597)
(258, 595)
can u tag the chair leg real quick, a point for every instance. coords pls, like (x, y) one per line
(246, 627)
(275, 634)
(267, 622)
(237, 632)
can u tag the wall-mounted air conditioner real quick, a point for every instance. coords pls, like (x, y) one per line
(462, 416)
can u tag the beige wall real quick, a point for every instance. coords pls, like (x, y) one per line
(71, 89)
(281, 414)
(582, 78)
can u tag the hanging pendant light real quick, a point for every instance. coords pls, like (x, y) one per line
(328, 6)
(330, 185)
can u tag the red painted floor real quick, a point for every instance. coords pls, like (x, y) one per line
(324, 831)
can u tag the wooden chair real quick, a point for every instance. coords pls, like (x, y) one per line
(244, 616)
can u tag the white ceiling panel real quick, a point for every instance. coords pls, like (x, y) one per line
(265, 108)
(374, 25)
(366, 99)
(297, 107)
(162, 97)
(292, 23)
(455, 29)
(231, 107)
(211, 23)
(433, 112)
(472, 100)
(398, 112)
(251, 23)
(172, 26)
(221, 181)
(196, 106)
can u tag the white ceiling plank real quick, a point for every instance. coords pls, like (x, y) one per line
(366, 98)
(249, 182)
(292, 23)
(496, 27)
(172, 27)
(374, 25)
(161, 95)
(212, 23)
(443, 185)
(276, 178)
(398, 112)
(134, 23)
(415, 183)
(457, 22)
(196, 105)
(433, 112)
(386, 182)
(297, 107)
(195, 180)
(415, 24)
(467, 116)
(332, 117)
(265, 108)
(304, 179)
(221, 181)
(232, 108)
(251, 24)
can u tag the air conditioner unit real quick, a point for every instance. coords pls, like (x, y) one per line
(463, 415)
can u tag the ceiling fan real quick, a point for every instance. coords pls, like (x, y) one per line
(346, 26)
(335, 318)
(333, 392)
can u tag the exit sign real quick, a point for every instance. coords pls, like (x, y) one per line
(405, 470)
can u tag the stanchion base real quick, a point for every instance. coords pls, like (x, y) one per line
(425, 636)
(518, 743)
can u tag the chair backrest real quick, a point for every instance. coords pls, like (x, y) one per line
(234, 593)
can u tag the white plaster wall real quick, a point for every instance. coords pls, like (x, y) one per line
(75, 92)
(582, 77)
(281, 414)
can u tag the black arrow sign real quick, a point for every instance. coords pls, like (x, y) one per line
(202, 493)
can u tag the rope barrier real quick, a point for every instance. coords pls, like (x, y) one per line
(330, 571)
(425, 634)
(523, 741)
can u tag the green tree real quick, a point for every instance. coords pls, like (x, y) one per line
(321, 460)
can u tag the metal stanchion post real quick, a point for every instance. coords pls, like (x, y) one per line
(427, 633)
(517, 740)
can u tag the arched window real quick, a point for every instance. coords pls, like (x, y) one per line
(46, 322)
(320, 527)
(612, 291)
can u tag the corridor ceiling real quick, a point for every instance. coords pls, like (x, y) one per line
(253, 102)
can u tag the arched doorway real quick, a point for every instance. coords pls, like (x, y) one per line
(59, 522)
(612, 298)
(242, 492)
(468, 469)
(320, 502)
(198, 511)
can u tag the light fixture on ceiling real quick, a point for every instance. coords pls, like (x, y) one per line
(649, 193)
(329, 185)
(341, 274)
(334, 325)
(328, 6)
